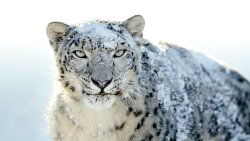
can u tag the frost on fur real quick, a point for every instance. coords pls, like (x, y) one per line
(113, 85)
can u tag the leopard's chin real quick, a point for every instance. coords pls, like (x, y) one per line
(100, 100)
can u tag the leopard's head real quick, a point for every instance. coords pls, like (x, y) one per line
(97, 60)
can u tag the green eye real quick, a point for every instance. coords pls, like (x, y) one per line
(79, 54)
(119, 53)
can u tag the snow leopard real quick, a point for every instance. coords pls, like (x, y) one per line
(114, 85)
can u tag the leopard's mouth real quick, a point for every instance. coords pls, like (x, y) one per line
(102, 93)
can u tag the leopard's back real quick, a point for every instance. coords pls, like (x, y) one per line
(206, 100)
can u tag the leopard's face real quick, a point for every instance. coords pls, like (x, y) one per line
(97, 61)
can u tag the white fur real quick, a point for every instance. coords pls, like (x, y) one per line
(90, 122)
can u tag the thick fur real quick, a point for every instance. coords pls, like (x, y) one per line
(152, 95)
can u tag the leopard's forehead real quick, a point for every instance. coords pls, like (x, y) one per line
(105, 33)
(99, 29)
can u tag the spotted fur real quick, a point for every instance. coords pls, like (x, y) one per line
(114, 86)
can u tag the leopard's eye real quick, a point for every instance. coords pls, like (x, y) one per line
(119, 53)
(79, 54)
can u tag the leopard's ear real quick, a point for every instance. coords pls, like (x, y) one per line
(55, 32)
(135, 25)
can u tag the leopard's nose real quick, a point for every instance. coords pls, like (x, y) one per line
(101, 83)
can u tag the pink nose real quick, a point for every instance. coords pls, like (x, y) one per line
(101, 83)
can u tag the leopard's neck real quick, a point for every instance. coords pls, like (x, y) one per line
(95, 124)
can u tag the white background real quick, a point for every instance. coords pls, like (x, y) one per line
(221, 28)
